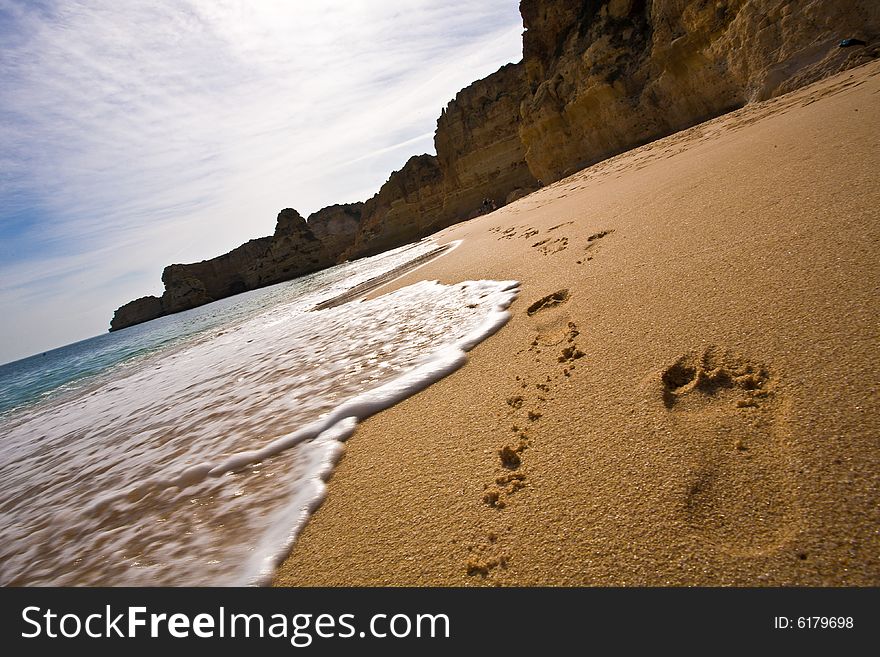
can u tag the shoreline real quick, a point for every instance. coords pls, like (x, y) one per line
(696, 410)
(362, 290)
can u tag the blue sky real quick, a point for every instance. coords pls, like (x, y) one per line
(137, 134)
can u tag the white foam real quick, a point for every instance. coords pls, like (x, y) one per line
(177, 466)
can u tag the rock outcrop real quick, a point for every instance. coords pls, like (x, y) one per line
(478, 145)
(598, 77)
(336, 226)
(293, 250)
(480, 162)
(406, 207)
(136, 312)
(605, 77)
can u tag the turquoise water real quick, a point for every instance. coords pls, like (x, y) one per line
(28, 380)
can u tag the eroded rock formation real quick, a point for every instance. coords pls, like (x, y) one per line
(293, 250)
(479, 158)
(336, 226)
(598, 77)
(605, 77)
(405, 208)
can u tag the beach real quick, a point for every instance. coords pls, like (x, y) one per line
(685, 394)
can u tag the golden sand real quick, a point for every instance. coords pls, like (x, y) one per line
(686, 392)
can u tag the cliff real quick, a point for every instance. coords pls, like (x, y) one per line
(598, 77)
(295, 249)
(404, 209)
(605, 77)
(336, 226)
(479, 157)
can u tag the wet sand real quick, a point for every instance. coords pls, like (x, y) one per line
(362, 290)
(695, 400)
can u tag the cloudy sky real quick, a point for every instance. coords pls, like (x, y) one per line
(137, 134)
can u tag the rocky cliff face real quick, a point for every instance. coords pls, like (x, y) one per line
(598, 77)
(136, 312)
(605, 77)
(478, 145)
(336, 225)
(406, 208)
(293, 250)
(479, 157)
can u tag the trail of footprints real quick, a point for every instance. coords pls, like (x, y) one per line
(592, 243)
(733, 396)
(524, 409)
(525, 406)
(551, 245)
(731, 401)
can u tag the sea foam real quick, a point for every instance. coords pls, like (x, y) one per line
(201, 464)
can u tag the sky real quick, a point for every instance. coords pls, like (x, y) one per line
(134, 135)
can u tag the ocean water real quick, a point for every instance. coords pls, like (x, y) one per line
(192, 449)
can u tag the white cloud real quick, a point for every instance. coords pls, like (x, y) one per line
(136, 135)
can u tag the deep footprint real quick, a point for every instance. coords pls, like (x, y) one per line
(729, 419)
(550, 301)
(713, 372)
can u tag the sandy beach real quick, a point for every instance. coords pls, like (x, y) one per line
(694, 402)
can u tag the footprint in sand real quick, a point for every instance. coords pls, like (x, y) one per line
(592, 243)
(555, 330)
(510, 456)
(504, 233)
(565, 223)
(729, 420)
(557, 334)
(525, 409)
(831, 90)
(555, 299)
(485, 555)
(550, 246)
